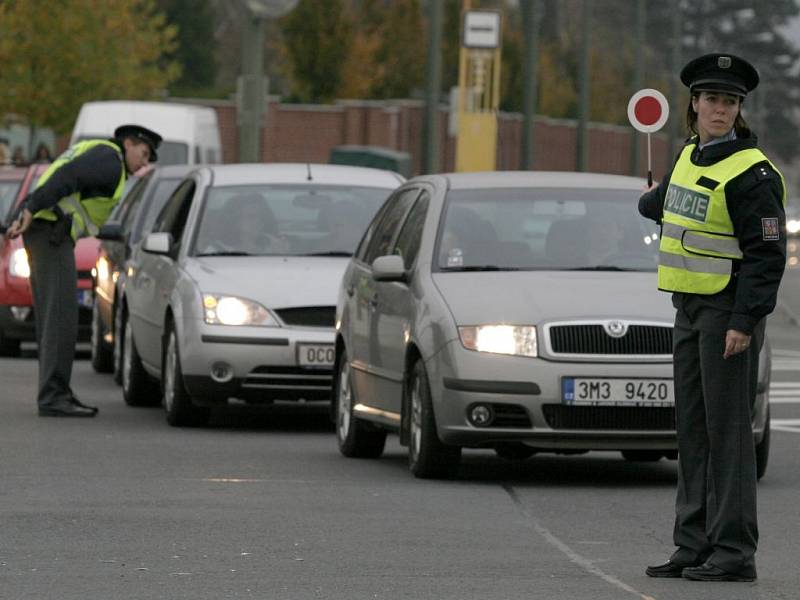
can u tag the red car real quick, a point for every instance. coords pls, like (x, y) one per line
(16, 303)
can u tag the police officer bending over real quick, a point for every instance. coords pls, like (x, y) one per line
(722, 255)
(72, 199)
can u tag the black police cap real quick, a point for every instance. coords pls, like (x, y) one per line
(720, 73)
(148, 136)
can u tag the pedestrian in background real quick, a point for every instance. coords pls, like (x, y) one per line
(72, 199)
(722, 255)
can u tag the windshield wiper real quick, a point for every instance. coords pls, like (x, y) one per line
(481, 268)
(331, 253)
(225, 253)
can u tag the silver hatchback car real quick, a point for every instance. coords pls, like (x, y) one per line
(515, 311)
(233, 292)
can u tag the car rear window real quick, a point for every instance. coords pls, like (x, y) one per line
(558, 229)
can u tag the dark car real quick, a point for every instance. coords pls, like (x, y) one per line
(131, 220)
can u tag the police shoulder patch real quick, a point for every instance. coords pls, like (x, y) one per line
(770, 229)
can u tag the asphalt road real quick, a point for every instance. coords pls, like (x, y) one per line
(261, 505)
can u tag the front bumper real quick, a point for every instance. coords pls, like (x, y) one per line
(263, 363)
(525, 395)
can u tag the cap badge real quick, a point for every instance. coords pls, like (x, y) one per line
(724, 62)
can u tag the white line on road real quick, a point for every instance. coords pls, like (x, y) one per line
(782, 400)
(785, 384)
(787, 425)
(579, 560)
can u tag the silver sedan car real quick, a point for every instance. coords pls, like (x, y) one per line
(233, 292)
(512, 311)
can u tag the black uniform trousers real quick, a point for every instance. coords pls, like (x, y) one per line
(714, 397)
(51, 255)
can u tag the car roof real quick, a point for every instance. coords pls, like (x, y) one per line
(541, 179)
(303, 173)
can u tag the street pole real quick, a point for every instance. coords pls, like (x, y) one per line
(252, 90)
(530, 32)
(638, 76)
(583, 106)
(676, 62)
(433, 84)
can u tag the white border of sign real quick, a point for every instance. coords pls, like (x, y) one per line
(648, 92)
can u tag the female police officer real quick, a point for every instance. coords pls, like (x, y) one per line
(722, 254)
(73, 197)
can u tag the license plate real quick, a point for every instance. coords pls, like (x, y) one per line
(315, 355)
(85, 298)
(606, 391)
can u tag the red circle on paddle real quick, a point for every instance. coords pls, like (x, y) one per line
(647, 110)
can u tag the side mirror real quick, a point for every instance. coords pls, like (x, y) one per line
(158, 243)
(389, 268)
(111, 232)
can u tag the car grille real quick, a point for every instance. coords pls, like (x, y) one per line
(84, 275)
(510, 415)
(291, 382)
(559, 416)
(591, 338)
(308, 316)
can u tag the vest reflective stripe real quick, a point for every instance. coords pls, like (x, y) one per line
(695, 241)
(698, 245)
(694, 265)
(88, 214)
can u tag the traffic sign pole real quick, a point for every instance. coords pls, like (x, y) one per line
(648, 110)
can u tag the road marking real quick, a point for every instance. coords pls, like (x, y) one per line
(787, 425)
(573, 556)
(784, 392)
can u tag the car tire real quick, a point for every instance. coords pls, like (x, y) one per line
(9, 346)
(119, 335)
(138, 389)
(356, 438)
(642, 455)
(178, 405)
(762, 449)
(428, 457)
(102, 351)
(514, 451)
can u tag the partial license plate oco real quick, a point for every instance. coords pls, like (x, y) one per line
(609, 391)
(315, 355)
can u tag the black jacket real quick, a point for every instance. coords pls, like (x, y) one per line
(754, 195)
(95, 173)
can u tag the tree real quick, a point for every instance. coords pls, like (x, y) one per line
(317, 37)
(194, 20)
(56, 56)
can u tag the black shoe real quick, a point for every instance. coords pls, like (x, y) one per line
(669, 569)
(67, 410)
(708, 572)
(75, 402)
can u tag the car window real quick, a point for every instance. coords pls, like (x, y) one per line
(173, 153)
(298, 219)
(408, 241)
(560, 229)
(8, 191)
(151, 206)
(385, 230)
(173, 216)
(125, 211)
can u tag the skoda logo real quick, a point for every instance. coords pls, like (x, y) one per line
(615, 329)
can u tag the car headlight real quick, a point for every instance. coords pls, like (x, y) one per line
(793, 225)
(519, 340)
(230, 310)
(18, 265)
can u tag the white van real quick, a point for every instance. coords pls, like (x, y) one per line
(190, 132)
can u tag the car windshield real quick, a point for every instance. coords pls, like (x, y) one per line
(545, 229)
(304, 220)
(8, 191)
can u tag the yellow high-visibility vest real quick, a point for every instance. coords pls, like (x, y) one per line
(698, 245)
(88, 214)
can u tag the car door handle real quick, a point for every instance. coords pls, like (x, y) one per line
(373, 302)
(350, 290)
